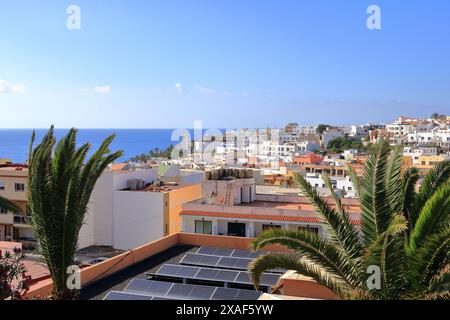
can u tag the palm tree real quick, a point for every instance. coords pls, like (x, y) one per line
(60, 187)
(406, 234)
(9, 205)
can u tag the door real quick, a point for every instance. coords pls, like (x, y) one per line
(236, 229)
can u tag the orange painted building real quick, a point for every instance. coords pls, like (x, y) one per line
(307, 159)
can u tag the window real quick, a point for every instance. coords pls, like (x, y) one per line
(3, 210)
(2, 186)
(20, 187)
(203, 227)
(308, 228)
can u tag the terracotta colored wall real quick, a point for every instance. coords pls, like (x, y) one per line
(221, 241)
(176, 198)
(305, 288)
(110, 266)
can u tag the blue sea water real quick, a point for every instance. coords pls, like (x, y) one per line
(14, 142)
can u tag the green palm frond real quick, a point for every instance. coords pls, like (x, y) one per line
(376, 214)
(433, 217)
(9, 205)
(441, 281)
(356, 181)
(388, 253)
(310, 246)
(60, 186)
(409, 180)
(337, 224)
(429, 259)
(302, 266)
(435, 177)
(394, 179)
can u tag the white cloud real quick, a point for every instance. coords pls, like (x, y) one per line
(212, 91)
(98, 89)
(6, 87)
(102, 89)
(179, 88)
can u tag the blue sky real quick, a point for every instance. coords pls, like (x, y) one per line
(233, 63)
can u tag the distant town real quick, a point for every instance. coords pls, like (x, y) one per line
(241, 189)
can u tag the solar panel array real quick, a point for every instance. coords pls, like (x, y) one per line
(187, 291)
(119, 295)
(225, 265)
(210, 274)
(226, 252)
(196, 259)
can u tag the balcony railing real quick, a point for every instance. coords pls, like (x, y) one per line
(22, 220)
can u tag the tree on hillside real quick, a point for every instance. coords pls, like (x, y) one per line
(321, 128)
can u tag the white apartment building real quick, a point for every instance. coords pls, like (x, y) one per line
(125, 212)
(342, 185)
(416, 152)
(436, 136)
(249, 213)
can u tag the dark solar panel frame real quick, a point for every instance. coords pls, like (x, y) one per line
(228, 252)
(201, 260)
(148, 287)
(179, 291)
(215, 275)
(223, 252)
(119, 296)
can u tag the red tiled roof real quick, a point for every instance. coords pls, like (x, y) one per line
(252, 216)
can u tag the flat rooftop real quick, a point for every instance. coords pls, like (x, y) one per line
(120, 280)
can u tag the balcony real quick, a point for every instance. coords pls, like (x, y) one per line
(22, 221)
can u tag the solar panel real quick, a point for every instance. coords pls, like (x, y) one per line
(158, 290)
(117, 295)
(225, 252)
(238, 253)
(226, 262)
(225, 294)
(268, 279)
(243, 277)
(190, 258)
(200, 259)
(242, 263)
(170, 270)
(206, 273)
(248, 295)
(201, 293)
(209, 260)
(206, 250)
(226, 275)
(234, 263)
(180, 290)
(148, 287)
(167, 270)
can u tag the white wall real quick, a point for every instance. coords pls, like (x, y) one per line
(99, 222)
(138, 218)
